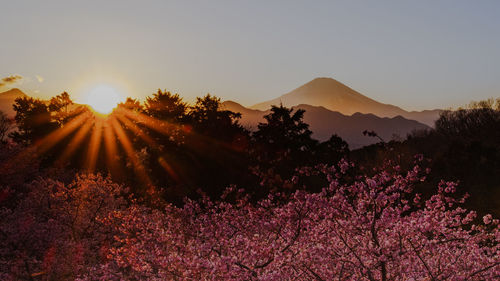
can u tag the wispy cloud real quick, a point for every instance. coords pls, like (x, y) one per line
(39, 78)
(10, 80)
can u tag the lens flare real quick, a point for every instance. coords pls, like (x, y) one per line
(103, 98)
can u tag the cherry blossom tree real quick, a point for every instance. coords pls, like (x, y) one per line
(371, 227)
(54, 232)
(374, 228)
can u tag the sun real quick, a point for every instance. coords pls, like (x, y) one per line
(103, 98)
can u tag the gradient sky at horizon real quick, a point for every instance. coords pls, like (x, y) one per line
(414, 54)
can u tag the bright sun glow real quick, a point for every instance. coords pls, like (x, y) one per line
(103, 98)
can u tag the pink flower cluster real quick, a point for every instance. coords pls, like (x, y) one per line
(54, 232)
(373, 229)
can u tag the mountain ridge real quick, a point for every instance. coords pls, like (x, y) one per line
(336, 96)
(324, 123)
(7, 98)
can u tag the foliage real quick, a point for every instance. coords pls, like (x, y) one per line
(166, 106)
(178, 147)
(182, 148)
(295, 209)
(59, 106)
(55, 230)
(33, 118)
(464, 147)
(132, 105)
(469, 123)
(5, 126)
(375, 228)
(284, 132)
(332, 150)
(280, 145)
(208, 118)
(354, 227)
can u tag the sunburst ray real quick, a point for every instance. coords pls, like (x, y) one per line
(111, 151)
(138, 131)
(75, 142)
(55, 137)
(129, 150)
(94, 145)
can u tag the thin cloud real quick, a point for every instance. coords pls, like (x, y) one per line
(39, 78)
(10, 80)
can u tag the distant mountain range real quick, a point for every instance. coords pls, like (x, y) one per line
(335, 96)
(331, 108)
(7, 99)
(324, 123)
(334, 108)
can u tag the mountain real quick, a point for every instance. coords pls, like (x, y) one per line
(324, 123)
(335, 96)
(7, 98)
(250, 118)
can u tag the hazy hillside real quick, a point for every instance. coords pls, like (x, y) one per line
(7, 99)
(250, 117)
(323, 123)
(335, 96)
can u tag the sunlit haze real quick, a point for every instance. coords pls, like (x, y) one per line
(102, 98)
(414, 54)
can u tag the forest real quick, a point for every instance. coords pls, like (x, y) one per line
(166, 190)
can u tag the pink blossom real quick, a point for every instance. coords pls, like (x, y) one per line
(487, 219)
(372, 228)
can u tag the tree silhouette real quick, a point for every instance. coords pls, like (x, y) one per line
(281, 144)
(208, 118)
(464, 146)
(166, 106)
(332, 150)
(284, 135)
(5, 126)
(59, 106)
(213, 153)
(34, 120)
(131, 104)
(60, 102)
(473, 123)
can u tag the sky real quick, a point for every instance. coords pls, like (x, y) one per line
(414, 54)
